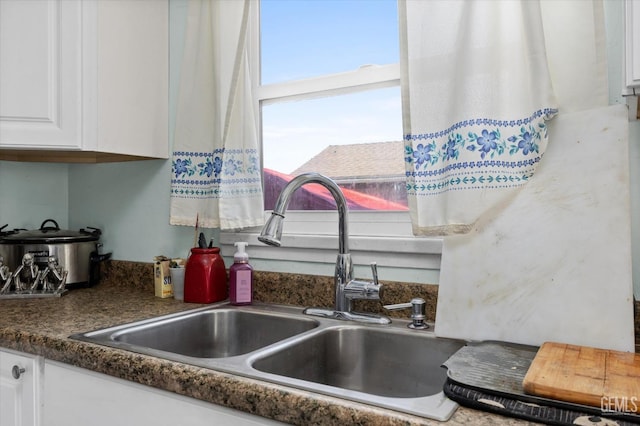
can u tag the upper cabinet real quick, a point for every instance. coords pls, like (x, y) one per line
(632, 47)
(84, 80)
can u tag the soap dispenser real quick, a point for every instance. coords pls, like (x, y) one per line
(241, 277)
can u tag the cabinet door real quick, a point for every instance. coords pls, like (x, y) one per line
(101, 400)
(19, 404)
(39, 57)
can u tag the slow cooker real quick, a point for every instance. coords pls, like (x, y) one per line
(77, 252)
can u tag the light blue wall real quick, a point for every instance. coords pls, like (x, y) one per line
(33, 192)
(130, 203)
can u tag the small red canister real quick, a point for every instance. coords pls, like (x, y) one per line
(205, 276)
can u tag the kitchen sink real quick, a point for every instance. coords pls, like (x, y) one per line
(387, 366)
(205, 333)
(370, 360)
(214, 333)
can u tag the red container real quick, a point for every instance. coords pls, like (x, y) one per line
(205, 276)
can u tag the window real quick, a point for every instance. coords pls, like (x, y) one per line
(330, 90)
(330, 100)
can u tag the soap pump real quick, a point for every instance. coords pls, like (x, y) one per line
(240, 277)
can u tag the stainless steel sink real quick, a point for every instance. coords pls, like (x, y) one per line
(375, 361)
(205, 334)
(382, 365)
(214, 333)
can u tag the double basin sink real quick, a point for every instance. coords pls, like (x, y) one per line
(387, 366)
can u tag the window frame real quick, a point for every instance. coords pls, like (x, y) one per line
(309, 242)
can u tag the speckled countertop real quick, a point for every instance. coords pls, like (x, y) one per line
(125, 294)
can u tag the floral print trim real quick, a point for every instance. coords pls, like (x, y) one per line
(474, 154)
(223, 172)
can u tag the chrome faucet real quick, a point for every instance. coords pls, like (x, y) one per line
(346, 288)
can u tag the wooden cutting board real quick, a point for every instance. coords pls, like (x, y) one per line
(584, 375)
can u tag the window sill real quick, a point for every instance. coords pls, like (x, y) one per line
(399, 255)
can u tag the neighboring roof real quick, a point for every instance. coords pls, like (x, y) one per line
(364, 160)
(316, 197)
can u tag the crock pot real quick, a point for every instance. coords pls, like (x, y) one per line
(76, 251)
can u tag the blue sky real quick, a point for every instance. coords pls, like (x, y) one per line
(303, 38)
(306, 38)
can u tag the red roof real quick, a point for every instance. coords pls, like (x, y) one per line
(317, 197)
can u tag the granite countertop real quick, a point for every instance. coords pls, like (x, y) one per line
(42, 327)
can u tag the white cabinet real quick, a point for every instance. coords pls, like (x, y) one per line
(83, 80)
(35, 391)
(19, 389)
(78, 397)
(632, 47)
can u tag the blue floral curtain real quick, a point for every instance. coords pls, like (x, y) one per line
(476, 97)
(216, 173)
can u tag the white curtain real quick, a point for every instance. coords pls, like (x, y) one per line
(216, 172)
(478, 80)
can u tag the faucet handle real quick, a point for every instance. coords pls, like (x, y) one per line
(374, 272)
(364, 290)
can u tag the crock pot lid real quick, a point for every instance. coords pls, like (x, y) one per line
(51, 235)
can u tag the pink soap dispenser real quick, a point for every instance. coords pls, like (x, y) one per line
(241, 277)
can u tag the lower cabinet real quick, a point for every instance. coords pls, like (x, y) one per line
(20, 378)
(35, 392)
(74, 396)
